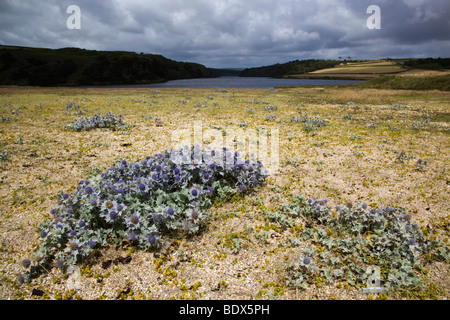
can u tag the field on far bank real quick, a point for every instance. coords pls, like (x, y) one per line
(372, 67)
(388, 71)
(379, 146)
(356, 70)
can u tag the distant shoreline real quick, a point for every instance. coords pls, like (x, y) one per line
(329, 76)
(233, 82)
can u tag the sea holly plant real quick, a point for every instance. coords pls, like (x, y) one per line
(309, 124)
(145, 202)
(347, 240)
(109, 120)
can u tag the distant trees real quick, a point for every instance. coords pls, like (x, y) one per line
(429, 63)
(6, 60)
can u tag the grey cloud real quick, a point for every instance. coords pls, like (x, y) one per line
(220, 33)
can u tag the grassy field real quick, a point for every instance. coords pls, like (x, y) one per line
(379, 146)
(372, 67)
(408, 82)
(357, 70)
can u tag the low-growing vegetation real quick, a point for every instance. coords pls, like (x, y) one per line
(109, 120)
(440, 82)
(141, 202)
(348, 239)
(87, 214)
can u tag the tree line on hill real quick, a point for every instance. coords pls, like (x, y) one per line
(310, 65)
(428, 63)
(73, 66)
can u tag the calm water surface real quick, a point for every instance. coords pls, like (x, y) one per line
(236, 82)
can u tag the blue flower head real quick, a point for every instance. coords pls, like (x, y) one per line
(151, 239)
(306, 260)
(93, 201)
(113, 215)
(389, 209)
(92, 244)
(26, 263)
(194, 192)
(170, 211)
(59, 264)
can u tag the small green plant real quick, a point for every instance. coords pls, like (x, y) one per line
(402, 156)
(349, 116)
(4, 156)
(421, 164)
(398, 107)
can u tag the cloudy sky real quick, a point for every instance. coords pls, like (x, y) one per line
(234, 33)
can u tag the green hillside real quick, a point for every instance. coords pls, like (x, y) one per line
(360, 69)
(289, 68)
(73, 66)
(409, 83)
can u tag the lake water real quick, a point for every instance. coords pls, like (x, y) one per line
(236, 82)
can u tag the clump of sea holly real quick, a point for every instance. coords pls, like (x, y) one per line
(309, 124)
(271, 108)
(109, 120)
(353, 238)
(144, 202)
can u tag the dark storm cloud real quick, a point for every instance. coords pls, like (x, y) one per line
(221, 33)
